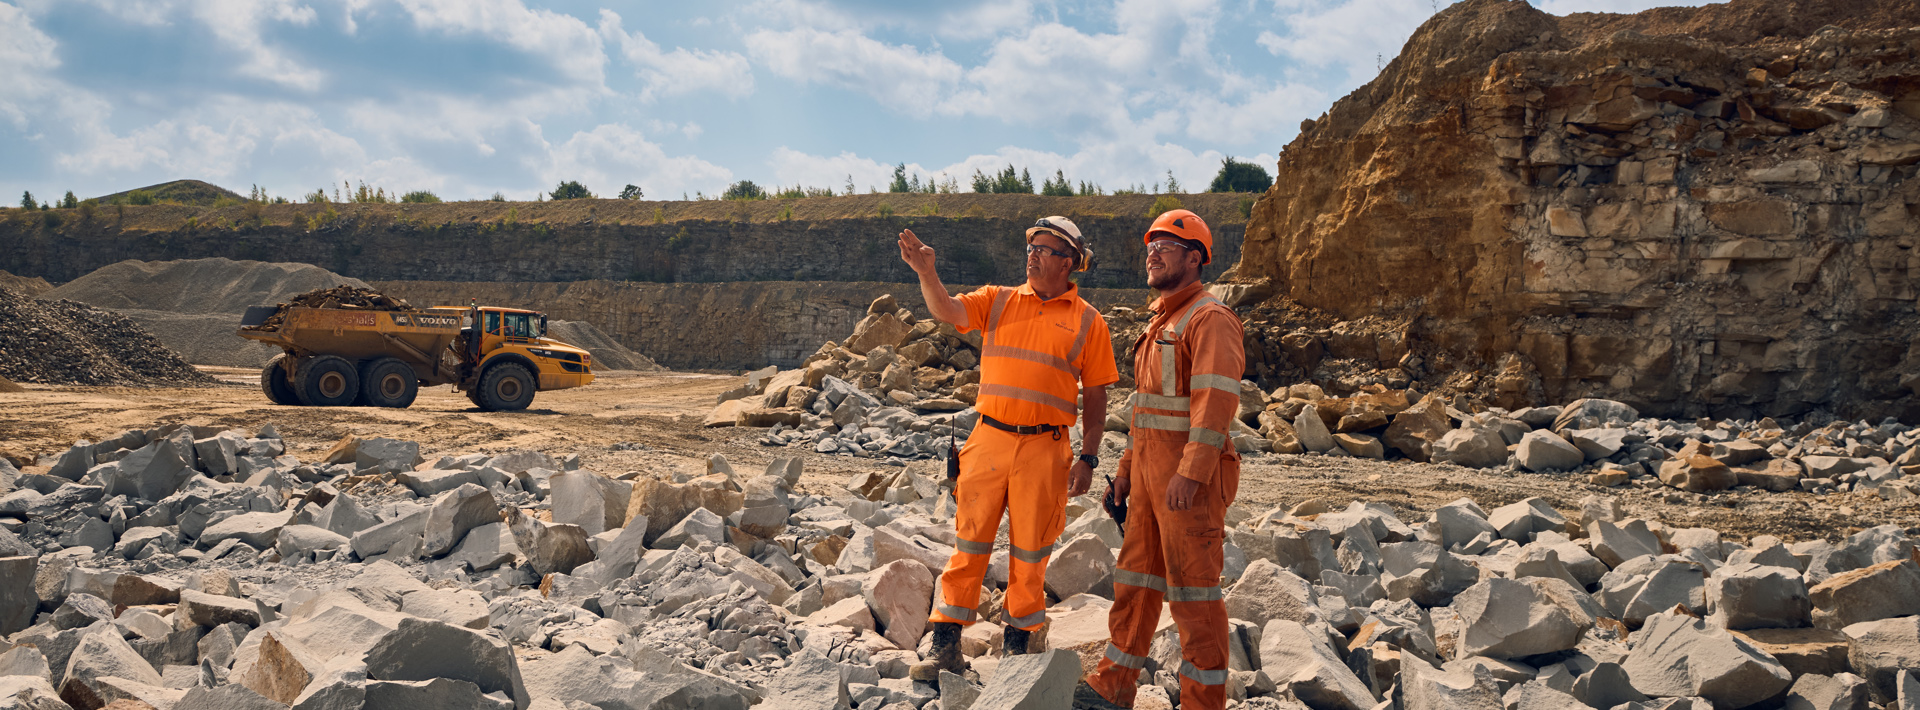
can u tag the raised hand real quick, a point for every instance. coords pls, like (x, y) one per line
(916, 254)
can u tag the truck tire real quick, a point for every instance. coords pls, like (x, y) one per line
(388, 382)
(506, 387)
(328, 381)
(274, 384)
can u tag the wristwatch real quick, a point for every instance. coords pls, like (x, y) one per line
(1090, 460)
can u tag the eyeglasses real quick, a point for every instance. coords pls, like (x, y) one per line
(1165, 247)
(1031, 248)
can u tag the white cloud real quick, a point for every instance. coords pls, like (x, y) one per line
(681, 71)
(28, 55)
(1357, 36)
(612, 155)
(565, 41)
(239, 23)
(901, 77)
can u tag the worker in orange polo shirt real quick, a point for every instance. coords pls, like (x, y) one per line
(1042, 348)
(1180, 472)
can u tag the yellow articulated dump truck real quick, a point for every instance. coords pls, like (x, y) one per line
(342, 353)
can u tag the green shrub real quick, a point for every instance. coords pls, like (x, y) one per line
(1057, 186)
(27, 202)
(1246, 206)
(69, 202)
(1240, 176)
(786, 213)
(1163, 203)
(86, 211)
(317, 197)
(744, 190)
(420, 197)
(631, 192)
(679, 241)
(659, 215)
(497, 197)
(52, 218)
(886, 210)
(513, 215)
(571, 190)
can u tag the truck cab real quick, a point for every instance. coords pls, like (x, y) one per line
(505, 355)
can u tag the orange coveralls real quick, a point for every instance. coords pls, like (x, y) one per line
(1187, 366)
(1035, 357)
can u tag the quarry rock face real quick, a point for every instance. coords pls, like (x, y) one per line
(1691, 210)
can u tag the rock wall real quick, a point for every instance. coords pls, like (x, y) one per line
(848, 239)
(1699, 211)
(723, 326)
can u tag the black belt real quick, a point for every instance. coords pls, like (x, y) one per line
(1022, 430)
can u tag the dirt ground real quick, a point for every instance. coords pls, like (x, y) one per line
(655, 419)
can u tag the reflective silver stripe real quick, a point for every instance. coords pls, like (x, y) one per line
(993, 317)
(973, 548)
(1156, 401)
(1122, 658)
(1140, 579)
(1026, 395)
(1167, 371)
(1033, 619)
(1219, 382)
(1207, 436)
(1218, 677)
(1086, 327)
(1032, 556)
(957, 613)
(1194, 594)
(1164, 422)
(1030, 356)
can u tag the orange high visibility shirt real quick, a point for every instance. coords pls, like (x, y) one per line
(1036, 355)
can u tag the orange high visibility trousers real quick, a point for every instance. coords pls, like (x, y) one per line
(1174, 556)
(1024, 476)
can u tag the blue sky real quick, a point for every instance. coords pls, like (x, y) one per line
(469, 97)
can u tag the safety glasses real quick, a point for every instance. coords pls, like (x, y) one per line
(1044, 249)
(1166, 247)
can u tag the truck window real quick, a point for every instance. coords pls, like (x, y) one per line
(493, 322)
(518, 325)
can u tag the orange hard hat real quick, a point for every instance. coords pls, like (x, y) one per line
(1184, 224)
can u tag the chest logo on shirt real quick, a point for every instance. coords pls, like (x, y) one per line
(1065, 327)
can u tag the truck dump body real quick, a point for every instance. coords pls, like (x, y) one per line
(418, 337)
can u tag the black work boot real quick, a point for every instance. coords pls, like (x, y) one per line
(945, 655)
(1015, 641)
(1086, 698)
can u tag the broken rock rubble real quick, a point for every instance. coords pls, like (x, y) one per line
(284, 583)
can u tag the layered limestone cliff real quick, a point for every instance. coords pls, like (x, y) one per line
(1699, 211)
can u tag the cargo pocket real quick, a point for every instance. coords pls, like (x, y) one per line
(1200, 556)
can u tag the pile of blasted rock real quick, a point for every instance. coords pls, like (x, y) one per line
(897, 388)
(186, 567)
(1609, 440)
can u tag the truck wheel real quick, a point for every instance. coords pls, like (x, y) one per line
(328, 381)
(388, 382)
(274, 384)
(506, 387)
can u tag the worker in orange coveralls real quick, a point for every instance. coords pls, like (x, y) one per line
(1179, 475)
(1042, 348)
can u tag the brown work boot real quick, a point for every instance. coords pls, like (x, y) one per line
(1086, 698)
(945, 655)
(1014, 641)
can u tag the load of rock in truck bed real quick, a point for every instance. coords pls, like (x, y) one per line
(349, 297)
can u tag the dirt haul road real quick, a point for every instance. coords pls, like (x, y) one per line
(651, 422)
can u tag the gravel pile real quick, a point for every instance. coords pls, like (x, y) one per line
(63, 342)
(193, 567)
(194, 306)
(608, 354)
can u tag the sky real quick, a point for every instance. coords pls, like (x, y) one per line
(467, 98)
